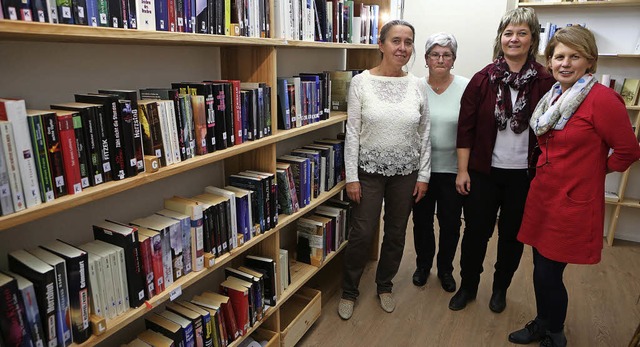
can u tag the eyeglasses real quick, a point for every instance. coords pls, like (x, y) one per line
(536, 154)
(435, 56)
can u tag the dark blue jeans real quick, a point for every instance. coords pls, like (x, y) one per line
(443, 195)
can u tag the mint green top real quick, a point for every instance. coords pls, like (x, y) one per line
(444, 110)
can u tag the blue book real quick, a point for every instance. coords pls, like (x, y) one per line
(318, 110)
(257, 201)
(314, 156)
(301, 176)
(162, 15)
(284, 115)
(93, 17)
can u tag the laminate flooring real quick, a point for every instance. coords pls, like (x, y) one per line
(604, 306)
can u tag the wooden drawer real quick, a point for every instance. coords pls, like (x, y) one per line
(266, 335)
(297, 315)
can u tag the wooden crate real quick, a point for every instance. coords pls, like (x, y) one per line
(266, 335)
(297, 315)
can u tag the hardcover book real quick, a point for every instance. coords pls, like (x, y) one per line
(151, 131)
(185, 226)
(157, 258)
(38, 143)
(69, 149)
(207, 322)
(32, 312)
(267, 267)
(14, 328)
(192, 209)
(13, 184)
(164, 326)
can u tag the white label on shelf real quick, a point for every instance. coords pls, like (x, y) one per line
(175, 293)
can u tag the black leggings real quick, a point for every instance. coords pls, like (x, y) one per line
(551, 294)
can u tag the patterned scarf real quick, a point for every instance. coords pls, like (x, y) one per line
(556, 108)
(502, 78)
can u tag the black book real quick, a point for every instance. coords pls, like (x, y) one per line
(132, 96)
(132, 15)
(14, 329)
(180, 17)
(247, 106)
(116, 11)
(112, 130)
(269, 184)
(76, 261)
(32, 313)
(126, 237)
(253, 126)
(125, 119)
(266, 105)
(224, 104)
(179, 106)
(219, 15)
(219, 107)
(39, 11)
(258, 199)
(165, 327)
(43, 278)
(79, 12)
(205, 90)
(92, 139)
(202, 17)
(267, 267)
(151, 130)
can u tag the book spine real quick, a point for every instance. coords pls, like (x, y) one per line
(173, 131)
(92, 13)
(187, 256)
(178, 106)
(103, 143)
(114, 131)
(65, 12)
(103, 13)
(147, 267)
(81, 150)
(56, 163)
(156, 259)
(63, 312)
(93, 147)
(6, 200)
(162, 15)
(41, 158)
(32, 314)
(77, 280)
(165, 135)
(132, 14)
(237, 111)
(127, 133)
(15, 330)
(166, 257)
(69, 154)
(79, 12)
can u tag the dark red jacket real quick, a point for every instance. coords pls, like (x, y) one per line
(477, 123)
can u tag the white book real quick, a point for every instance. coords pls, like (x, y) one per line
(119, 273)
(279, 20)
(234, 215)
(52, 10)
(283, 260)
(355, 33)
(295, 13)
(164, 129)
(96, 297)
(145, 13)
(14, 181)
(15, 111)
(544, 37)
(173, 130)
(106, 278)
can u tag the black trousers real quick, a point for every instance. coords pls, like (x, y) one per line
(551, 294)
(397, 193)
(441, 193)
(504, 189)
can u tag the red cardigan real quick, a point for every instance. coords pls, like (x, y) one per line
(564, 214)
(477, 123)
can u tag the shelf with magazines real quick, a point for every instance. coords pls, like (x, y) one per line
(578, 4)
(114, 187)
(618, 62)
(300, 274)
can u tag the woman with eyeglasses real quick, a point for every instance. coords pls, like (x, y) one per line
(443, 90)
(494, 145)
(577, 123)
(387, 158)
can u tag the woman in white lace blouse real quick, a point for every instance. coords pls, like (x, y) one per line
(387, 157)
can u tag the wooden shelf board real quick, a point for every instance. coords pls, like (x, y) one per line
(630, 203)
(114, 325)
(111, 188)
(611, 200)
(576, 4)
(34, 31)
(634, 108)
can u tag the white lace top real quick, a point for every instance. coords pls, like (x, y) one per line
(387, 127)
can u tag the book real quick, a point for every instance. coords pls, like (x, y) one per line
(62, 309)
(212, 306)
(185, 226)
(271, 191)
(94, 266)
(119, 274)
(267, 267)
(15, 111)
(257, 199)
(68, 145)
(233, 330)
(185, 324)
(14, 328)
(146, 257)
(166, 327)
(258, 282)
(244, 212)
(239, 298)
(6, 200)
(155, 339)
(183, 117)
(163, 237)
(41, 158)
(172, 228)
(194, 319)
(233, 217)
(125, 237)
(43, 277)
(630, 89)
(255, 291)
(199, 124)
(13, 184)
(218, 207)
(78, 285)
(207, 322)
(192, 209)
(157, 258)
(150, 129)
(32, 312)
(311, 241)
(107, 277)
(283, 262)
(340, 81)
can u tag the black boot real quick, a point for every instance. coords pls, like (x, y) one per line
(498, 301)
(459, 301)
(533, 331)
(420, 276)
(554, 340)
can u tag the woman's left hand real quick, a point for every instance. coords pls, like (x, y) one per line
(420, 190)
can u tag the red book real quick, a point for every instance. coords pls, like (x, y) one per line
(171, 7)
(239, 298)
(155, 246)
(233, 331)
(147, 264)
(69, 151)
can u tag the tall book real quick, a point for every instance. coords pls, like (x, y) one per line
(207, 322)
(126, 237)
(146, 257)
(222, 217)
(106, 279)
(157, 258)
(43, 278)
(13, 185)
(194, 210)
(233, 331)
(233, 227)
(267, 267)
(118, 272)
(63, 311)
(32, 312)
(244, 212)
(239, 297)
(185, 227)
(15, 111)
(182, 124)
(172, 228)
(36, 129)
(151, 130)
(78, 284)
(14, 328)
(69, 148)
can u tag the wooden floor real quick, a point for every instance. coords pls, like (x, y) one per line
(604, 306)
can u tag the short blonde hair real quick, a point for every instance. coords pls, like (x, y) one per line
(576, 37)
(519, 15)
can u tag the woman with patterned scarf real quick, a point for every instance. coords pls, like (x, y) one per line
(494, 147)
(577, 123)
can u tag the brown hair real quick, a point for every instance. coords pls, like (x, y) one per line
(519, 15)
(579, 38)
(390, 24)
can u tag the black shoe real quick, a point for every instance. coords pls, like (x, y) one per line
(498, 301)
(448, 282)
(554, 340)
(420, 276)
(459, 301)
(533, 331)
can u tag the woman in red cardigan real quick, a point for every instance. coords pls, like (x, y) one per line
(577, 123)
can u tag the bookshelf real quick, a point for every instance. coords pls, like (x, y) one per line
(48, 63)
(614, 24)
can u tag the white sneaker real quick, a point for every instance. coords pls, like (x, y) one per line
(386, 302)
(345, 308)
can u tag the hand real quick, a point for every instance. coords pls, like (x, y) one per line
(354, 192)
(420, 190)
(463, 183)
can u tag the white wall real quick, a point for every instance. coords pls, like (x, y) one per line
(472, 22)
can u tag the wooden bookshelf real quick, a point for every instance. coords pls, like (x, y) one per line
(579, 4)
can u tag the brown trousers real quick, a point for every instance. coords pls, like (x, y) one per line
(397, 193)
